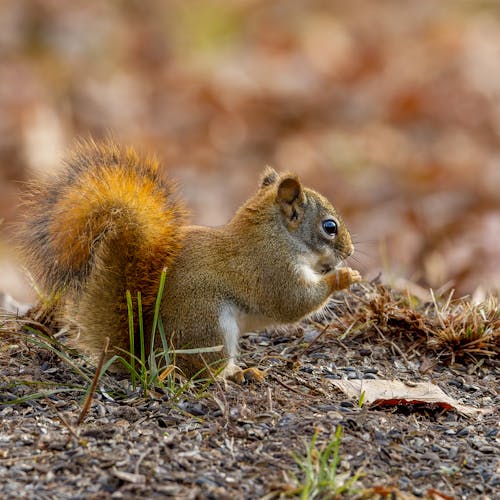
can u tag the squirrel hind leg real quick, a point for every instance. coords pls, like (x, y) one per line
(239, 375)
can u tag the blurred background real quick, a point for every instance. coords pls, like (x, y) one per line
(390, 108)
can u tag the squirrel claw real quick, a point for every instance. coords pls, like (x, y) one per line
(354, 276)
(344, 278)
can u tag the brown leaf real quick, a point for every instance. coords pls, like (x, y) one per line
(396, 392)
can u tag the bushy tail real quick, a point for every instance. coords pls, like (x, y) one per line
(109, 222)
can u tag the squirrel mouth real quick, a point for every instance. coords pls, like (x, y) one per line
(326, 268)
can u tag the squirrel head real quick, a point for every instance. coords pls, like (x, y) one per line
(298, 218)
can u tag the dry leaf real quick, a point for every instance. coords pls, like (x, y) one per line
(395, 392)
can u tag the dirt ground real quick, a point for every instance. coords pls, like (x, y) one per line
(231, 441)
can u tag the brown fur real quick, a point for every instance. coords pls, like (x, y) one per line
(110, 223)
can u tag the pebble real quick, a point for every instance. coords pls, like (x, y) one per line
(349, 411)
(439, 427)
(370, 369)
(350, 423)
(310, 335)
(286, 420)
(471, 388)
(453, 452)
(317, 355)
(486, 449)
(394, 433)
(417, 443)
(370, 376)
(380, 437)
(484, 473)
(429, 455)
(204, 481)
(347, 404)
(437, 449)
(25, 467)
(463, 432)
(419, 473)
(325, 408)
(404, 482)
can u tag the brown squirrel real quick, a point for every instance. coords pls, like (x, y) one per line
(111, 223)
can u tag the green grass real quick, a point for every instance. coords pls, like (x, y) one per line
(158, 368)
(361, 401)
(147, 366)
(46, 389)
(319, 467)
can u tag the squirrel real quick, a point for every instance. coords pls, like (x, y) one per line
(110, 222)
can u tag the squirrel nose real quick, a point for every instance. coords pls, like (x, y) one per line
(347, 249)
(350, 250)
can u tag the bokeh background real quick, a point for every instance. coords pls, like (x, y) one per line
(390, 108)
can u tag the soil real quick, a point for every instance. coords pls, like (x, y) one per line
(239, 441)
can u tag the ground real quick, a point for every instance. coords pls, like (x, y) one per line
(225, 440)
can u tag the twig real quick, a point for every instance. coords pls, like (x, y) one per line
(139, 461)
(93, 386)
(308, 347)
(8, 462)
(269, 399)
(62, 418)
(286, 386)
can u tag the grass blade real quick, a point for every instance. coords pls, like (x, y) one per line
(131, 334)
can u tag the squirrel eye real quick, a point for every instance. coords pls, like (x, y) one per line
(329, 227)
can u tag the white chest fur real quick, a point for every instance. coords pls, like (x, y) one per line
(309, 274)
(233, 322)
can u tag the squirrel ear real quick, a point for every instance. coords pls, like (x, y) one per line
(269, 176)
(291, 198)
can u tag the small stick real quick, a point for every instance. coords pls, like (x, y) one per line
(301, 353)
(62, 418)
(286, 386)
(269, 399)
(93, 386)
(139, 461)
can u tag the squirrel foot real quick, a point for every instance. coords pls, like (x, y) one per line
(251, 374)
(343, 278)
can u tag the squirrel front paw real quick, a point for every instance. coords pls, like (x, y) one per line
(343, 278)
